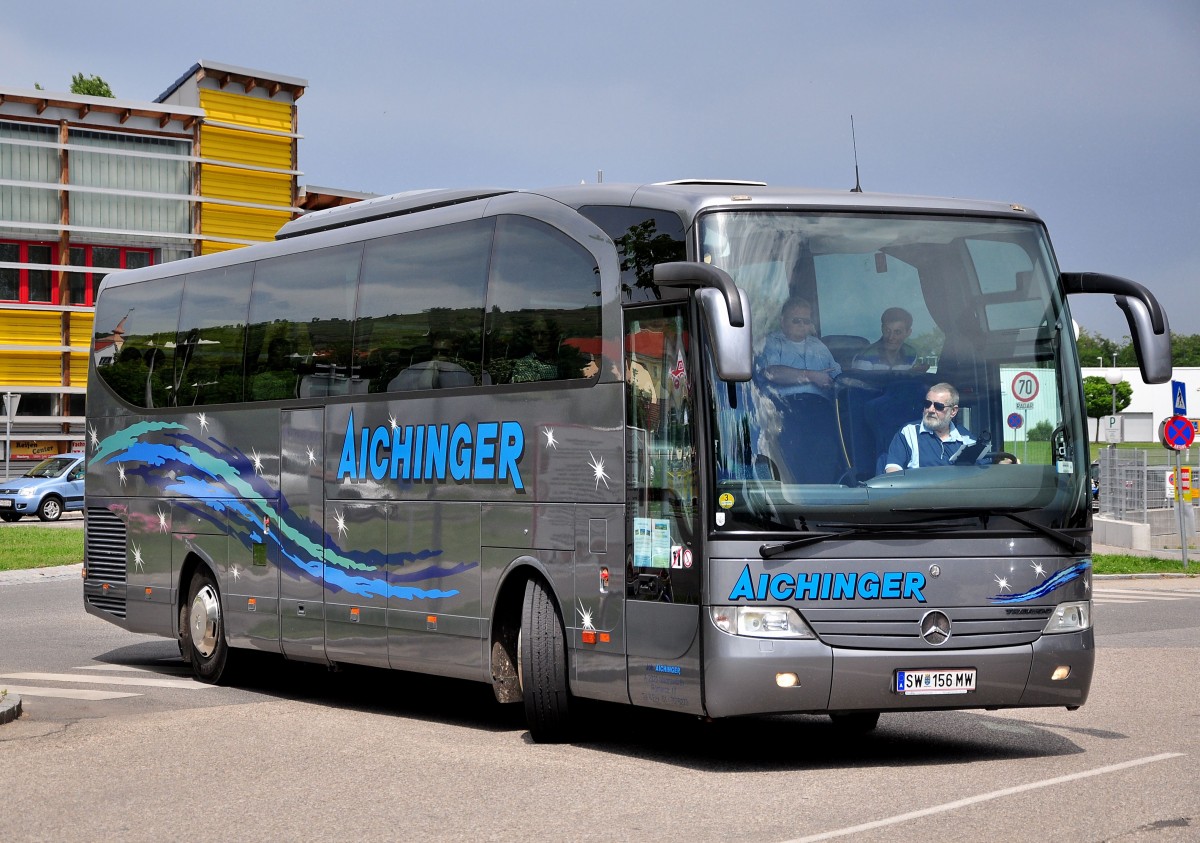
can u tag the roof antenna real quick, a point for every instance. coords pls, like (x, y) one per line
(854, 142)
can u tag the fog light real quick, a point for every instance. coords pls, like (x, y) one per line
(1060, 673)
(787, 680)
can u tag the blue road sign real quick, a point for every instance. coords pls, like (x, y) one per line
(1015, 420)
(1178, 398)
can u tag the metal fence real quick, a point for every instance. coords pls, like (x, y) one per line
(1138, 485)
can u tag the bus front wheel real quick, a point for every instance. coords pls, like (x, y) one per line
(542, 667)
(203, 630)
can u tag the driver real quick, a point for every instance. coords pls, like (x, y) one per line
(935, 439)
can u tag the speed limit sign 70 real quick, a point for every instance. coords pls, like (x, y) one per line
(1025, 387)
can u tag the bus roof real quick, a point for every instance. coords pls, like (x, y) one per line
(688, 196)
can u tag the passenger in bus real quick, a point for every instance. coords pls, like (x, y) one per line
(794, 361)
(891, 352)
(798, 371)
(541, 338)
(935, 439)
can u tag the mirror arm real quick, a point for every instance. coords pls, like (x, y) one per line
(1097, 282)
(693, 274)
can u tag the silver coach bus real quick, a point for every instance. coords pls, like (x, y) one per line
(711, 447)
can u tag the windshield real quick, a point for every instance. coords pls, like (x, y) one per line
(51, 467)
(907, 368)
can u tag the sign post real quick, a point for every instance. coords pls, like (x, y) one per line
(1177, 434)
(11, 400)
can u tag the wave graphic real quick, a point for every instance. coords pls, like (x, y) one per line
(221, 485)
(1054, 583)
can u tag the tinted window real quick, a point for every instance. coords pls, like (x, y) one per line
(10, 277)
(135, 326)
(301, 312)
(420, 308)
(644, 237)
(211, 336)
(543, 292)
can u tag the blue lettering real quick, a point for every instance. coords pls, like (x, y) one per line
(914, 581)
(743, 589)
(512, 446)
(809, 585)
(460, 453)
(346, 464)
(401, 451)
(379, 440)
(843, 586)
(826, 579)
(362, 454)
(781, 586)
(435, 451)
(418, 448)
(868, 586)
(485, 451)
(891, 585)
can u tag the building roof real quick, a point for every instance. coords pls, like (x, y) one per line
(84, 105)
(247, 77)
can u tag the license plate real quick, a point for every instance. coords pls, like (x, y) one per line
(935, 681)
(5, 503)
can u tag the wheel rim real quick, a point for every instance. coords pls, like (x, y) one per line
(205, 620)
(51, 509)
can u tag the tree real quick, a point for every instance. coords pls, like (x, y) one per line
(1098, 394)
(1095, 347)
(92, 86)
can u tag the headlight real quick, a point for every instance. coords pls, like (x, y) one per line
(755, 622)
(1070, 617)
(27, 492)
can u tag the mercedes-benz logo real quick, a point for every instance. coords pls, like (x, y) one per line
(935, 628)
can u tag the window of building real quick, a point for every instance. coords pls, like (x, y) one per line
(36, 282)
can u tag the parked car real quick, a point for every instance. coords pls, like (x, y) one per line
(50, 488)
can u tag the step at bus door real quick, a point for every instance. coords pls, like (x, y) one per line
(300, 547)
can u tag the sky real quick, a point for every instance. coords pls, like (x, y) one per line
(1085, 111)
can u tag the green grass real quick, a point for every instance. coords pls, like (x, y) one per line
(39, 547)
(44, 547)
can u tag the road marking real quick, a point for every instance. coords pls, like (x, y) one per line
(179, 684)
(65, 693)
(129, 668)
(985, 797)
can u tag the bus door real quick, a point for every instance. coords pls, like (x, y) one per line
(299, 552)
(662, 584)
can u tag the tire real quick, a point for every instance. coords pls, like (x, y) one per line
(202, 631)
(50, 509)
(855, 722)
(542, 667)
(10, 517)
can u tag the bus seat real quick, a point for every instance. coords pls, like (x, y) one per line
(843, 347)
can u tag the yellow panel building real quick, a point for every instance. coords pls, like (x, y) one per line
(89, 185)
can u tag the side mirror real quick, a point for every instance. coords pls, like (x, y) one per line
(1147, 320)
(726, 314)
(732, 345)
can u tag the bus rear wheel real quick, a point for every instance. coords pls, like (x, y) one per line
(202, 627)
(542, 667)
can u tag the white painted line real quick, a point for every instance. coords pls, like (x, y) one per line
(65, 693)
(985, 797)
(129, 668)
(1141, 595)
(1115, 601)
(180, 684)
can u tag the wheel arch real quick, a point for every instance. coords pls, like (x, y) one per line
(506, 622)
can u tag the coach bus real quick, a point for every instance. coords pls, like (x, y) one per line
(634, 444)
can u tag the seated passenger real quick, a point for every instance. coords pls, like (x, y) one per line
(935, 439)
(891, 352)
(797, 370)
(793, 360)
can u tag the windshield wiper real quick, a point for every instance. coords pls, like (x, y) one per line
(982, 513)
(767, 551)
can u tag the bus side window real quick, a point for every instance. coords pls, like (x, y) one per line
(543, 289)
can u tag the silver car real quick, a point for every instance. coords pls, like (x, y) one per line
(50, 488)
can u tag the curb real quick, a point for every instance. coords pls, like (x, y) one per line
(10, 708)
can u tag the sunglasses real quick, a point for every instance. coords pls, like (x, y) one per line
(937, 405)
